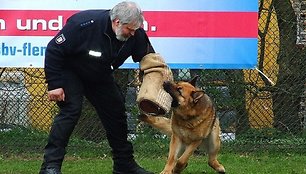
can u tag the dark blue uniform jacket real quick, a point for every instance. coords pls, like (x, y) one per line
(88, 46)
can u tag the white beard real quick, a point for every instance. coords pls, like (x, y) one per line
(119, 35)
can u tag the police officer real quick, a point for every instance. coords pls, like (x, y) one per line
(80, 61)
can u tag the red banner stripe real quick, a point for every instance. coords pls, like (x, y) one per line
(32, 22)
(158, 23)
(203, 24)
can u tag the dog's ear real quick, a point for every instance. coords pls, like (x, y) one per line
(193, 81)
(197, 95)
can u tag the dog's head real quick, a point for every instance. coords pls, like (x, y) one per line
(184, 93)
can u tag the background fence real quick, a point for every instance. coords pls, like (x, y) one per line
(255, 109)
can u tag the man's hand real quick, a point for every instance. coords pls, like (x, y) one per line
(56, 95)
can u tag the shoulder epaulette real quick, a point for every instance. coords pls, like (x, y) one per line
(86, 23)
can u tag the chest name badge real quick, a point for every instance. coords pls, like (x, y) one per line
(94, 53)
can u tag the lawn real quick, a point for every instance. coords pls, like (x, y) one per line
(248, 163)
(21, 152)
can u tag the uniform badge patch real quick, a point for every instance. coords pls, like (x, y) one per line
(60, 39)
(95, 53)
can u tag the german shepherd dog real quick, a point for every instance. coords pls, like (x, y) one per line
(193, 122)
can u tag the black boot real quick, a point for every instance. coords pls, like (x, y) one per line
(133, 169)
(50, 170)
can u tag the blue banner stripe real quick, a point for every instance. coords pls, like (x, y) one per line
(207, 53)
(146, 5)
(200, 5)
(196, 66)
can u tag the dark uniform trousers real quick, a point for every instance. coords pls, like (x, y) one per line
(108, 101)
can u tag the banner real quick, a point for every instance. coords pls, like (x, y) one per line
(197, 34)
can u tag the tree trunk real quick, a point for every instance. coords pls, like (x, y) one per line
(291, 76)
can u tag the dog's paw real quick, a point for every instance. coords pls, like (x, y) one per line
(166, 172)
(180, 167)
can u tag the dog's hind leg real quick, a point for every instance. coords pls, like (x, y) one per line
(160, 123)
(212, 144)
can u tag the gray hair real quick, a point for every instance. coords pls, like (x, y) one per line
(127, 12)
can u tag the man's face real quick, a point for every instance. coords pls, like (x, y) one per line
(125, 31)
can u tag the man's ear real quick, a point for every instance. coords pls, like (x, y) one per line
(193, 81)
(116, 21)
(197, 95)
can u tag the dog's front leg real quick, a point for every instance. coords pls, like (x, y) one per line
(182, 161)
(174, 149)
(160, 123)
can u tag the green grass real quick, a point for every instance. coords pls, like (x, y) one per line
(244, 163)
(21, 152)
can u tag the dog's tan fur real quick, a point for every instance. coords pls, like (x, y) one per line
(192, 123)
